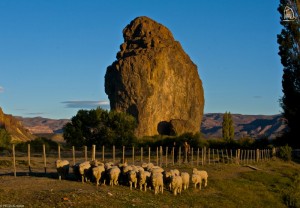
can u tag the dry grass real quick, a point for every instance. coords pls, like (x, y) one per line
(229, 185)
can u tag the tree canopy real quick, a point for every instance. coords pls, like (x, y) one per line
(289, 51)
(98, 126)
(227, 127)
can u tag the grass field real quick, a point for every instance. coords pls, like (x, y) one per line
(275, 184)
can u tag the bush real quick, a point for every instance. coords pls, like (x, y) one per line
(37, 145)
(5, 140)
(291, 195)
(285, 153)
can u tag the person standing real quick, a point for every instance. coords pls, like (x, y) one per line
(187, 151)
(175, 148)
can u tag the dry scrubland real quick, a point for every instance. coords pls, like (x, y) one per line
(229, 185)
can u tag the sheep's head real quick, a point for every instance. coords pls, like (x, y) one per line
(194, 178)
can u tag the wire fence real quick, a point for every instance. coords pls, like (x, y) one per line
(161, 156)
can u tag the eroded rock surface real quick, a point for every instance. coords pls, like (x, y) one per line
(155, 80)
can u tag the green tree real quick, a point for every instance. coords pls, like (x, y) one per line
(5, 139)
(227, 127)
(289, 51)
(98, 126)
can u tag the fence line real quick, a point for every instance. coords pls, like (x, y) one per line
(198, 156)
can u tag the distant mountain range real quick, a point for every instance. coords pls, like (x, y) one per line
(245, 125)
(39, 125)
(254, 126)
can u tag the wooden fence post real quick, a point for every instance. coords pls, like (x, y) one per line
(149, 154)
(166, 156)
(192, 156)
(58, 151)
(29, 165)
(204, 155)
(161, 155)
(198, 152)
(114, 154)
(202, 158)
(133, 155)
(14, 160)
(227, 156)
(157, 156)
(44, 157)
(73, 154)
(173, 155)
(123, 155)
(238, 156)
(103, 153)
(179, 156)
(257, 155)
(231, 156)
(209, 156)
(142, 154)
(93, 152)
(85, 153)
(222, 156)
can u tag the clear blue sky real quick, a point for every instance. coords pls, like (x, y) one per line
(54, 54)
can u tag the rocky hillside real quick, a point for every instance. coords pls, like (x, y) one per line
(39, 125)
(244, 125)
(14, 127)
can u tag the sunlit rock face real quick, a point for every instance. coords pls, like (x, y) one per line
(154, 80)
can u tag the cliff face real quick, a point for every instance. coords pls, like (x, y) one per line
(154, 80)
(14, 127)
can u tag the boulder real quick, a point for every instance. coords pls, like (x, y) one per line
(154, 80)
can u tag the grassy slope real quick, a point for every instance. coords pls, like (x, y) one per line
(228, 186)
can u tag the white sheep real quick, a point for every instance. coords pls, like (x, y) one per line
(62, 167)
(175, 172)
(132, 178)
(97, 172)
(157, 182)
(156, 169)
(143, 179)
(185, 180)
(203, 174)
(147, 166)
(114, 173)
(84, 169)
(196, 179)
(176, 182)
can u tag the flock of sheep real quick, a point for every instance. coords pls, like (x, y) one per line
(145, 176)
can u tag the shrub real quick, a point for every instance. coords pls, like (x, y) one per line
(37, 145)
(285, 153)
(291, 195)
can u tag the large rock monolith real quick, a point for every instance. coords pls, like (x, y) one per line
(154, 80)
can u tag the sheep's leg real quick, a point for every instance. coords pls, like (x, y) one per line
(205, 184)
(82, 179)
(200, 185)
(59, 177)
(130, 184)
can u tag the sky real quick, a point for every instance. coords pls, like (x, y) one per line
(54, 54)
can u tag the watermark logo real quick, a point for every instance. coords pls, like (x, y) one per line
(288, 14)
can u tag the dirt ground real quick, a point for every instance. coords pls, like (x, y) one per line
(226, 181)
